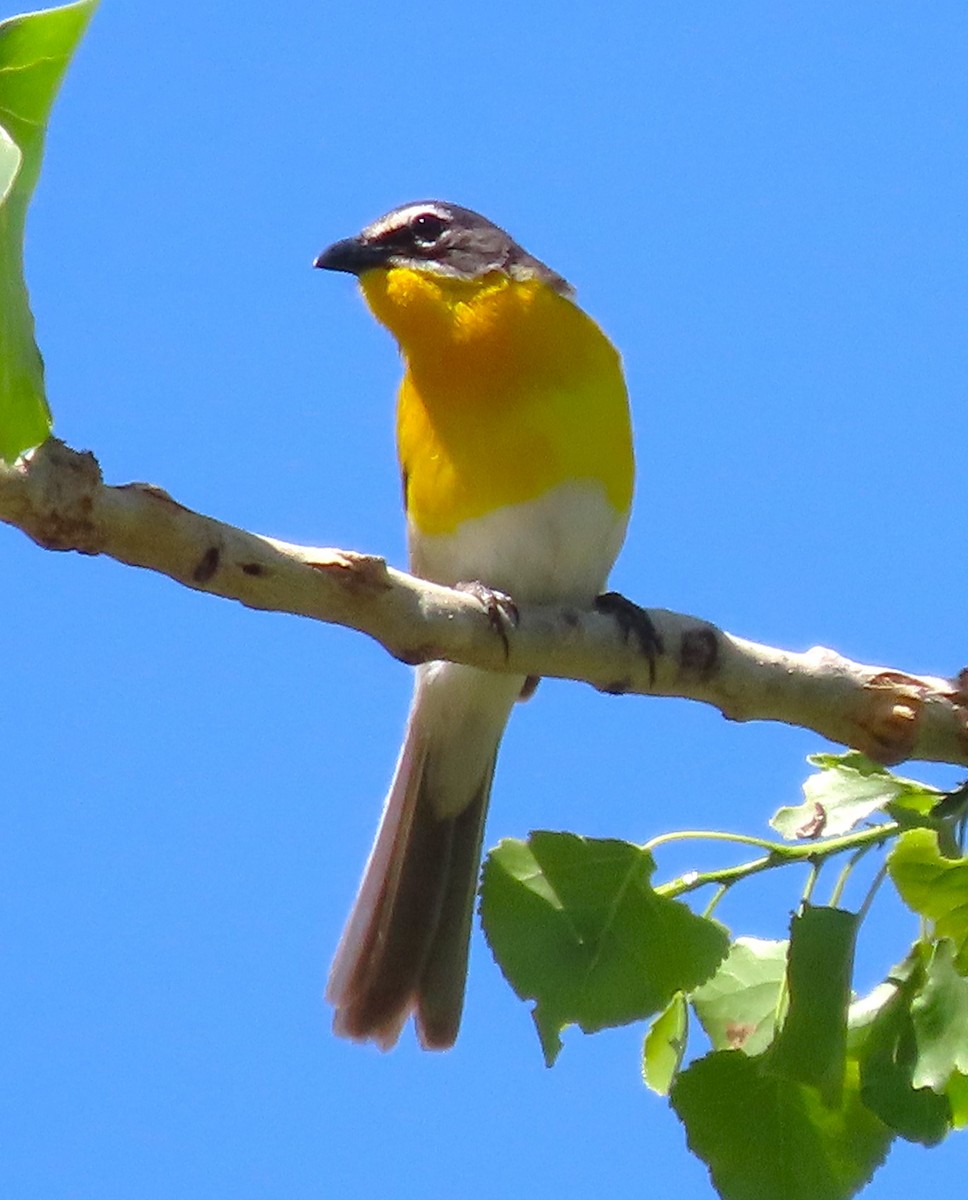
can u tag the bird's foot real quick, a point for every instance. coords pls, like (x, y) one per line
(633, 619)
(502, 612)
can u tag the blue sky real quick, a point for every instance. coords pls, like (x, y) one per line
(764, 205)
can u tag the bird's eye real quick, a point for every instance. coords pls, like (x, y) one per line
(427, 228)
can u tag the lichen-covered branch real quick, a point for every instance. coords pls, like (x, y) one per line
(58, 498)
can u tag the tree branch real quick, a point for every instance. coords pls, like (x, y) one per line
(57, 497)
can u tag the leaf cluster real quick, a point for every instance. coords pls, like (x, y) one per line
(804, 1086)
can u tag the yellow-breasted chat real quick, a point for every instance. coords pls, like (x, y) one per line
(515, 451)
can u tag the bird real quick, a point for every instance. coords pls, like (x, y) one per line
(515, 450)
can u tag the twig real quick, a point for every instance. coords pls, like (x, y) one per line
(57, 497)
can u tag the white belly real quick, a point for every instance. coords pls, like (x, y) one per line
(558, 548)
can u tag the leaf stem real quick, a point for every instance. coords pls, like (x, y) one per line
(779, 854)
(812, 878)
(845, 875)
(711, 835)
(719, 893)
(871, 892)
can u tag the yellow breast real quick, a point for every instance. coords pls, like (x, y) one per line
(509, 391)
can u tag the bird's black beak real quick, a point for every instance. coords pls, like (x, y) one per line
(353, 255)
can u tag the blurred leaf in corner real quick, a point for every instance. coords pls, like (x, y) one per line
(34, 52)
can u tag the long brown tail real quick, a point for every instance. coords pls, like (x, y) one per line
(405, 945)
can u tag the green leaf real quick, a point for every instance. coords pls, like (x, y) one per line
(665, 1044)
(738, 1006)
(934, 886)
(853, 760)
(34, 52)
(888, 1056)
(811, 1047)
(846, 790)
(575, 925)
(764, 1136)
(866, 1011)
(953, 805)
(940, 1016)
(957, 1092)
(10, 160)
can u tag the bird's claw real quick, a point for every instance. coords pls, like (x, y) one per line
(502, 612)
(633, 619)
